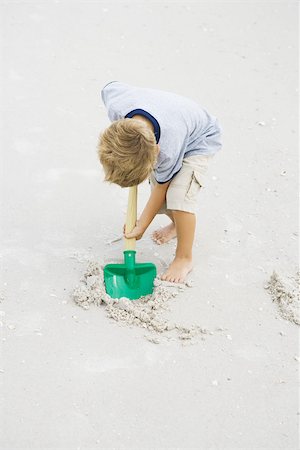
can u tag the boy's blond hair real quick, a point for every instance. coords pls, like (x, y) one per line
(127, 150)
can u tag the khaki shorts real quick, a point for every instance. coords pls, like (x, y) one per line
(182, 193)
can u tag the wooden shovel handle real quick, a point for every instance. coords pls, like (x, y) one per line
(131, 217)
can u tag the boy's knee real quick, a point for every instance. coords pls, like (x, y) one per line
(179, 212)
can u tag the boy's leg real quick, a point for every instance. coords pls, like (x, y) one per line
(165, 234)
(182, 201)
(185, 224)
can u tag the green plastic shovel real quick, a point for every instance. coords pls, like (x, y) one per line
(130, 280)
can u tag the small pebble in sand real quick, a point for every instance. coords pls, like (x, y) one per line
(152, 339)
(190, 283)
(262, 124)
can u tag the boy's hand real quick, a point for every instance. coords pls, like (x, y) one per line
(136, 233)
(157, 197)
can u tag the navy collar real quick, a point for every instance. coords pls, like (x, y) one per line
(144, 113)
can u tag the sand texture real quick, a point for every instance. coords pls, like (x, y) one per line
(214, 366)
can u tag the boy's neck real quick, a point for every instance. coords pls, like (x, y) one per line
(145, 120)
(149, 125)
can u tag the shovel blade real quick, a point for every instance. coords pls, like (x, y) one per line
(133, 283)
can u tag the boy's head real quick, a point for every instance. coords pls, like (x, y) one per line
(127, 149)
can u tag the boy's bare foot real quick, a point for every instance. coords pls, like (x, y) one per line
(178, 270)
(165, 234)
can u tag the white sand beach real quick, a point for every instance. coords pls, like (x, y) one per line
(225, 374)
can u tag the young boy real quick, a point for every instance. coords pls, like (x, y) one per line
(169, 139)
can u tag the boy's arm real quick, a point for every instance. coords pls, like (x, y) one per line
(154, 203)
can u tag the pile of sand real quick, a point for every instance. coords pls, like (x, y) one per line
(285, 292)
(145, 312)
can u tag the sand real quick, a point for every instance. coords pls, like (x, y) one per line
(285, 293)
(144, 312)
(74, 378)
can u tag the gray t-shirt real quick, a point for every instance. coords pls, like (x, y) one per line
(182, 127)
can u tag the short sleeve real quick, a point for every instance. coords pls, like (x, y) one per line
(114, 96)
(103, 95)
(166, 169)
